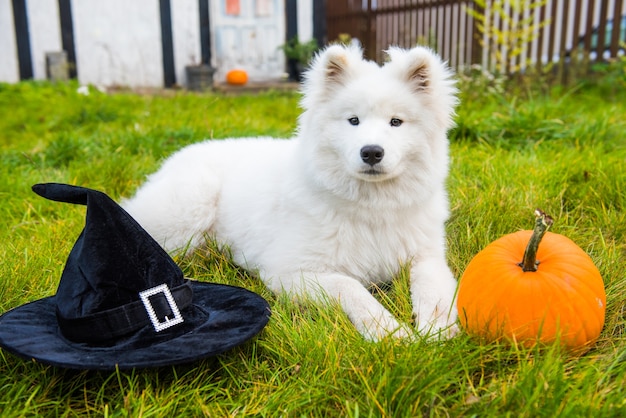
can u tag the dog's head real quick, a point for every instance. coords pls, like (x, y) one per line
(366, 125)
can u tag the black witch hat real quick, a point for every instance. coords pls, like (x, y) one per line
(123, 302)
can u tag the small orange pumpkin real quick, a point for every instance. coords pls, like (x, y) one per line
(237, 77)
(519, 291)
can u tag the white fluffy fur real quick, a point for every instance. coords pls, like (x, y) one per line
(308, 213)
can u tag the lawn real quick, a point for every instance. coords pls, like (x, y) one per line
(563, 150)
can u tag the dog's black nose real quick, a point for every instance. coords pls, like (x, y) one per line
(372, 154)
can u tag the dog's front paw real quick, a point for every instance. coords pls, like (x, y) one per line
(432, 291)
(436, 320)
(375, 328)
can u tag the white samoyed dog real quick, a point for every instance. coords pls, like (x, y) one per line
(356, 194)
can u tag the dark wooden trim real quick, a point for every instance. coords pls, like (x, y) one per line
(477, 38)
(617, 24)
(291, 18)
(542, 31)
(169, 70)
(205, 31)
(67, 36)
(319, 22)
(604, 7)
(22, 36)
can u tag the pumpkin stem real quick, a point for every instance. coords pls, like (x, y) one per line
(542, 223)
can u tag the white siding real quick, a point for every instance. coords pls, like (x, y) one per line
(118, 42)
(45, 33)
(9, 66)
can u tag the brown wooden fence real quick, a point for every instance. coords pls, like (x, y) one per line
(499, 35)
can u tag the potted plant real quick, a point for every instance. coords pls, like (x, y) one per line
(299, 55)
(199, 76)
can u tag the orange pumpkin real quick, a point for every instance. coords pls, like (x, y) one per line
(520, 291)
(237, 77)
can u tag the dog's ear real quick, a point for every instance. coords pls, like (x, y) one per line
(418, 66)
(428, 77)
(336, 63)
(331, 67)
(419, 73)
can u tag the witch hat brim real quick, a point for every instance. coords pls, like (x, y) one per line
(234, 315)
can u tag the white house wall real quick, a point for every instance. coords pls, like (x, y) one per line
(305, 23)
(119, 42)
(45, 33)
(9, 66)
(186, 36)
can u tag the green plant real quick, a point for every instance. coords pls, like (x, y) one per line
(300, 51)
(612, 73)
(343, 39)
(476, 82)
(507, 40)
(429, 40)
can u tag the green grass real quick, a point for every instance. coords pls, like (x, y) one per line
(563, 151)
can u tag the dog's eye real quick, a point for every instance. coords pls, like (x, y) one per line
(395, 122)
(354, 121)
